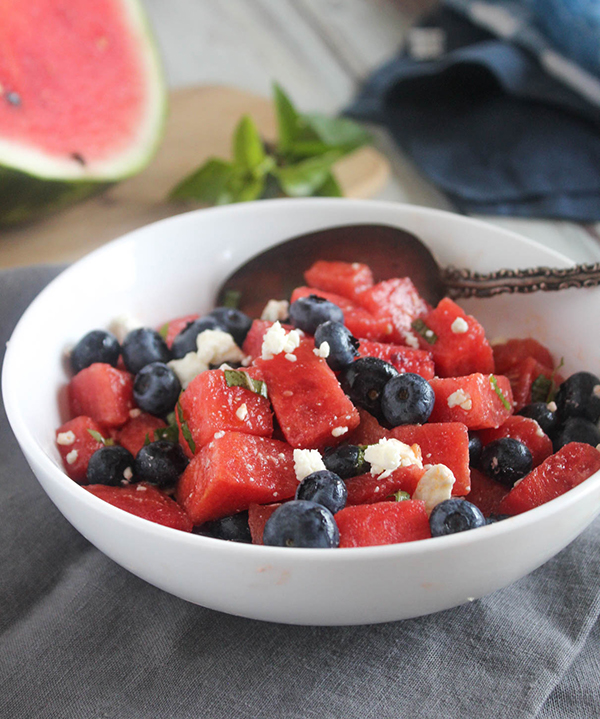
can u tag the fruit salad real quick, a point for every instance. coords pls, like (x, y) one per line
(350, 414)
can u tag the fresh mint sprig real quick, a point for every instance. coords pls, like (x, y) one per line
(298, 164)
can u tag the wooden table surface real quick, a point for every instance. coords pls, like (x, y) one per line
(320, 51)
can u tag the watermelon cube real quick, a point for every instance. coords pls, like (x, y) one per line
(570, 466)
(343, 278)
(234, 471)
(76, 445)
(252, 345)
(404, 359)
(486, 493)
(311, 407)
(145, 501)
(369, 525)
(522, 376)
(459, 346)
(477, 400)
(103, 393)
(509, 353)
(524, 429)
(208, 405)
(368, 488)
(132, 435)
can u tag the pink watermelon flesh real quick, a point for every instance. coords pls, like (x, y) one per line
(369, 525)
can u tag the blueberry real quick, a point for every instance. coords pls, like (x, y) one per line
(363, 381)
(111, 465)
(156, 389)
(475, 448)
(407, 399)
(579, 396)
(96, 346)
(346, 461)
(233, 321)
(454, 515)
(324, 488)
(493, 518)
(143, 346)
(234, 528)
(301, 523)
(506, 460)
(185, 341)
(307, 313)
(160, 463)
(545, 417)
(576, 429)
(343, 346)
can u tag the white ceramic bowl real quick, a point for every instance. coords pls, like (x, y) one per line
(174, 267)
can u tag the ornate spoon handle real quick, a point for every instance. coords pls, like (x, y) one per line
(465, 283)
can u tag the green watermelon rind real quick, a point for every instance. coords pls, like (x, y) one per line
(26, 195)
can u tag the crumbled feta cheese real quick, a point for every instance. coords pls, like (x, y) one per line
(277, 340)
(128, 473)
(218, 435)
(461, 399)
(213, 347)
(552, 406)
(459, 326)
(122, 325)
(65, 438)
(72, 456)
(435, 485)
(389, 454)
(498, 341)
(287, 393)
(307, 461)
(410, 339)
(339, 431)
(291, 357)
(275, 311)
(322, 350)
(135, 412)
(242, 412)
(140, 488)
(539, 431)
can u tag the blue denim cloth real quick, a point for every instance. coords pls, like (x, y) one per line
(488, 125)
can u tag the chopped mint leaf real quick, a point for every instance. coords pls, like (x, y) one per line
(541, 388)
(426, 333)
(232, 298)
(99, 438)
(185, 430)
(499, 392)
(235, 378)
(164, 331)
(170, 433)
(399, 496)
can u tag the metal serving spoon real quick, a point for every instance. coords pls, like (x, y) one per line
(390, 252)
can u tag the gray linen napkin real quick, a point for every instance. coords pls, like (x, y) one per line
(81, 638)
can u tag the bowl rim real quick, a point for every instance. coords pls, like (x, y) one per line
(31, 446)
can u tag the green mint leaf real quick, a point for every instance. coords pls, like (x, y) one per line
(399, 496)
(249, 189)
(248, 149)
(306, 176)
(231, 299)
(185, 430)
(147, 439)
(424, 331)
(99, 438)
(330, 188)
(499, 392)
(207, 184)
(235, 378)
(170, 433)
(289, 122)
(338, 131)
(164, 331)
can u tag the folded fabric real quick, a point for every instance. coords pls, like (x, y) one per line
(81, 638)
(487, 124)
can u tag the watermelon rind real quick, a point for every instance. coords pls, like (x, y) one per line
(33, 184)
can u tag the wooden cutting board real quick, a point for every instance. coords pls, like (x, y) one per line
(200, 125)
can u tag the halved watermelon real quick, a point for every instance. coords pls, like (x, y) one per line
(82, 101)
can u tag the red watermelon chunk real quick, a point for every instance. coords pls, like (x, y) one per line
(209, 406)
(404, 359)
(523, 374)
(76, 445)
(509, 353)
(233, 472)
(570, 466)
(486, 493)
(103, 393)
(358, 320)
(397, 299)
(472, 400)
(310, 406)
(368, 488)
(369, 431)
(144, 501)
(343, 278)
(369, 525)
(171, 329)
(132, 435)
(526, 430)
(460, 347)
(257, 518)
